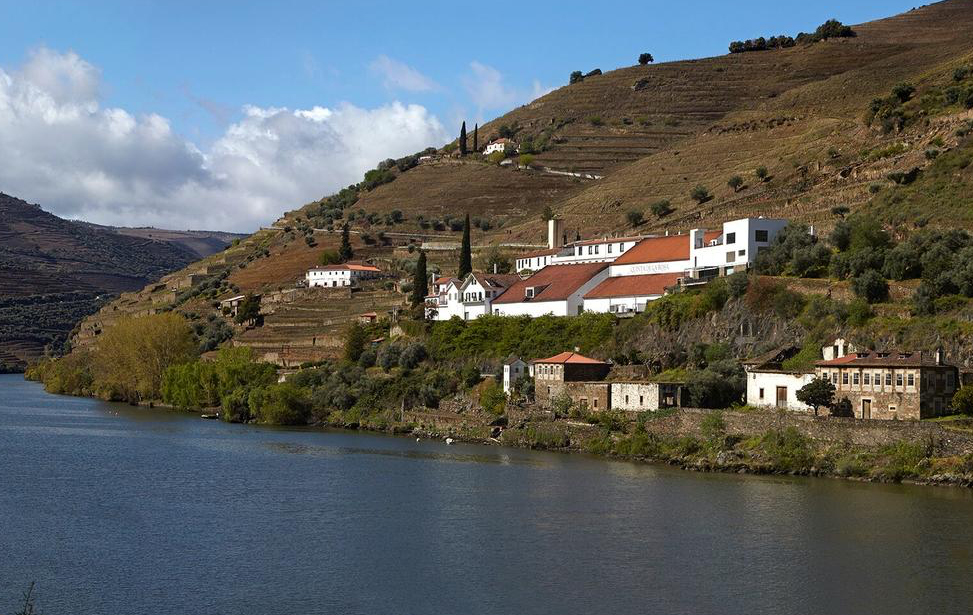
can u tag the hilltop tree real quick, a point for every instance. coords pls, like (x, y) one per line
(462, 140)
(476, 137)
(466, 251)
(817, 393)
(420, 281)
(735, 182)
(345, 253)
(645, 58)
(576, 77)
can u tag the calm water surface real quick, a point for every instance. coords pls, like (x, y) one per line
(124, 511)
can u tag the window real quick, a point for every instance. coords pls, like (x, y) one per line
(855, 378)
(731, 238)
(626, 400)
(912, 380)
(868, 378)
(878, 379)
(583, 402)
(610, 248)
(888, 379)
(580, 252)
(834, 378)
(844, 377)
(949, 380)
(761, 393)
(621, 247)
(742, 253)
(594, 403)
(596, 249)
(898, 380)
(730, 256)
(641, 400)
(760, 236)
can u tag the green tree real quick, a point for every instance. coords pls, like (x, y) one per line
(466, 252)
(420, 281)
(735, 182)
(526, 160)
(356, 338)
(493, 399)
(661, 209)
(645, 58)
(462, 139)
(329, 257)
(476, 137)
(547, 214)
(345, 253)
(576, 77)
(871, 287)
(963, 400)
(762, 173)
(634, 217)
(249, 309)
(817, 393)
(700, 194)
(495, 261)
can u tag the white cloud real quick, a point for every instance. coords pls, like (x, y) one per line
(400, 76)
(62, 149)
(488, 91)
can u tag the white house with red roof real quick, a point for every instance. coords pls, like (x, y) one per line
(334, 276)
(557, 290)
(502, 144)
(629, 294)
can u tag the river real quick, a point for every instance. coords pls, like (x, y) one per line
(112, 509)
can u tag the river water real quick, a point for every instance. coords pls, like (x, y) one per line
(118, 510)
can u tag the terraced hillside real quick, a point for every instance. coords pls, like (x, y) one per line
(650, 133)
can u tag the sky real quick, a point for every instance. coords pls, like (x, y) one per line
(223, 115)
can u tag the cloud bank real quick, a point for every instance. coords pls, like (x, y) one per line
(62, 149)
(399, 76)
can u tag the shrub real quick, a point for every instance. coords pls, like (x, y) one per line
(735, 182)
(412, 356)
(713, 430)
(576, 77)
(496, 157)
(700, 194)
(871, 287)
(634, 217)
(526, 160)
(279, 404)
(903, 91)
(761, 173)
(963, 400)
(661, 209)
(596, 120)
(493, 399)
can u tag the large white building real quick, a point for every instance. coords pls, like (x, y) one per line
(629, 294)
(557, 290)
(334, 276)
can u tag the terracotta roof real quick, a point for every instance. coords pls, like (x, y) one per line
(661, 249)
(369, 315)
(591, 242)
(872, 358)
(634, 286)
(444, 280)
(496, 280)
(540, 253)
(553, 283)
(347, 267)
(570, 357)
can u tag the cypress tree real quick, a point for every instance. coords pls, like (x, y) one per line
(476, 137)
(345, 253)
(466, 252)
(420, 281)
(462, 140)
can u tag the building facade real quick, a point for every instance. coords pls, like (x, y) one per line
(567, 373)
(892, 385)
(647, 396)
(770, 385)
(557, 290)
(513, 370)
(333, 276)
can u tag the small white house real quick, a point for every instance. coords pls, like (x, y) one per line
(334, 276)
(471, 298)
(500, 145)
(770, 385)
(513, 370)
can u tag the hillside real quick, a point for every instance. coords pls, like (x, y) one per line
(820, 119)
(54, 271)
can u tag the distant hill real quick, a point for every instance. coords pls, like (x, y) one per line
(53, 271)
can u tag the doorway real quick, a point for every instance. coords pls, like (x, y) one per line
(781, 397)
(866, 408)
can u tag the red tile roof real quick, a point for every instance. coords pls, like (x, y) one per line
(570, 357)
(872, 358)
(347, 267)
(634, 286)
(553, 283)
(661, 249)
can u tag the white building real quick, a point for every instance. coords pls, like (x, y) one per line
(557, 290)
(770, 385)
(334, 276)
(513, 370)
(471, 298)
(629, 294)
(500, 145)
(560, 252)
(736, 247)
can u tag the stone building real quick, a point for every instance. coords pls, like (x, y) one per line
(892, 385)
(573, 374)
(641, 396)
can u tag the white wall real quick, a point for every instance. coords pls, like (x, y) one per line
(513, 373)
(532, 308)
(744, 232)
(769, 381)
(329, 277)
(650, 268)
(619, 305)
(641, 396)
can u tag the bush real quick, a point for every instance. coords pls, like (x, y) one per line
(871, 287)
(735, 182)
(595, 120)
(526, 160)
(963, 400)
(761, 173)
(412, 356)
(634, 217)
(493, 399)
(700, 194)
(279, 404)
(661, 209)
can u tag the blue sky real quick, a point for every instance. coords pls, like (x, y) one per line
(199, 65)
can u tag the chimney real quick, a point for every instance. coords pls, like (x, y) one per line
(577, 350)
(939, 356)
(555, 233)
(494, 268)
